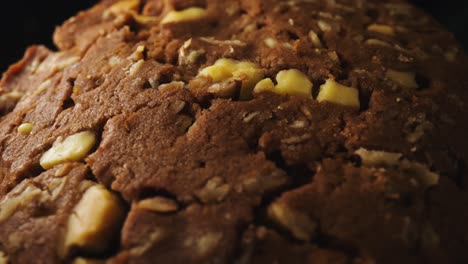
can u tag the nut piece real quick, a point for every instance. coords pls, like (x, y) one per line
(25, 128)
(191, 13)
(208, 242)
(315, 39)
(215, 191)
(299, 224)
(23, 196)
(378, 158)
(94, 220)
(3, 258)
(405, 79)
(87, 261)
(122, 7)
(158, 204)
(336, 93)
(225, 69)
(377, 42)
(424, 176)
(382, 29)
(324, 26)
(74, 148)
(290, 82)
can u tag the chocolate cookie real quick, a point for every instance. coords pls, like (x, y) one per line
(237, 131)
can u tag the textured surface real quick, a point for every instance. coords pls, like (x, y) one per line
(208, 178)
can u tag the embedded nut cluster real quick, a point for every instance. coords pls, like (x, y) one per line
(419, 172)
(74, 148)
(248, 73)
(94, 220)
(336, 93)
(289, 82)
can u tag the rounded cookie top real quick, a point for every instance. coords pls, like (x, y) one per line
(239, 131)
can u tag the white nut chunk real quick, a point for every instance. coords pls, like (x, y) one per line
(405, 79)
(377, 42)
(299, 224)
(289, 82)
(227, 69)
(336, 93)
(158, 204)
(25, 128)
(123, 6)
(94, 221)
(378, 158)
(382, 29)
(74, 148)
(188, 14)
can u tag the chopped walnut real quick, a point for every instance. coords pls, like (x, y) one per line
(336, 93)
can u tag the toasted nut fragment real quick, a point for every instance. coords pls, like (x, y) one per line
(94, 221)
(405, 79)
(324, 26)
(299, 224)
(3, 258)
(74, 148)
(336, 93)
(214, 191)
(143, 19)
(122, 7)
(382, 29)
(25, 128)
(315, 39)
(290, 82)
(270, 42)
(158, 204)
(377, 42)
(378, 158)
(421, 172)
(191, 13)
(10, 203)
(87, 261)
(224, 69)
(208, 242)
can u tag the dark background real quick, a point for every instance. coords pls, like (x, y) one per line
(23, 23)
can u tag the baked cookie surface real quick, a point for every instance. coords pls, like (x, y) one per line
(237, 132)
